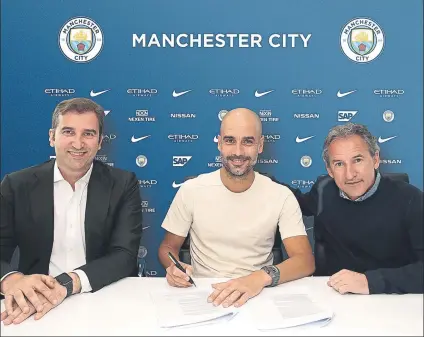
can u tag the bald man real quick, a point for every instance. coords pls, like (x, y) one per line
(232, 216)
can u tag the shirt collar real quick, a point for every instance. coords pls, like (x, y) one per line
(57, 175)
(370, 192)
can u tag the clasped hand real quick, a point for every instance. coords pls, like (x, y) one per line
(31, 294)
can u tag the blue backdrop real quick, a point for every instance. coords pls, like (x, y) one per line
(105, 57)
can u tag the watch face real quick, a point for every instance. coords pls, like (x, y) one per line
(64, 279)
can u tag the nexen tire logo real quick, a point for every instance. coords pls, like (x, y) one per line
(180, 161)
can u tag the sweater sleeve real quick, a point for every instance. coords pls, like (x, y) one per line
(408, 278)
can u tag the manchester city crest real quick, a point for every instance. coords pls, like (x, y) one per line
(81, 39)
(306, 161)
(362, 40)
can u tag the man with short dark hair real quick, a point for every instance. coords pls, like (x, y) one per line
(369, 226)
(76, 221)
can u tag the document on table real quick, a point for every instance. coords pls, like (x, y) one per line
(283, 310)
(183, 307)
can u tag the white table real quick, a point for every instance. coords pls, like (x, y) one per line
(125, 308)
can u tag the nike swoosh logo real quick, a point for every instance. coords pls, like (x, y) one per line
(215, 139)
(94, 94)
(178, 94)
(339, 94)
(383, 140)
(175, 185)
(300, 140)
(107, 112)
(145, 228)
(260, 94)
(135, 140)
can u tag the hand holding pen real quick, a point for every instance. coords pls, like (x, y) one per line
(178, 274)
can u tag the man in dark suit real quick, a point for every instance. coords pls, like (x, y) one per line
(76, 221)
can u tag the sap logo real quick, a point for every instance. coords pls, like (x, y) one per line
(180, 161)
(345, 116)
(306, 116)
(151, 273)
(390, 161)
(224, 92)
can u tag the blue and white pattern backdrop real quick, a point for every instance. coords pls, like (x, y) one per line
(165, 72)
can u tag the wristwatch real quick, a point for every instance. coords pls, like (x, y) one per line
(65, 280)
(274, 272)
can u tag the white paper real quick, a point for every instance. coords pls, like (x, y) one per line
(183, 307)
(283, 310)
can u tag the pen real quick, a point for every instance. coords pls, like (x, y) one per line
(180, 267)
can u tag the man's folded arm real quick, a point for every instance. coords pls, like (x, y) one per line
(121, 258)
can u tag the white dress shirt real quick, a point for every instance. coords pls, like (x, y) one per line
(69, 247)
(68, 250)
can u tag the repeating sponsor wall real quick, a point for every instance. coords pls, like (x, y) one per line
(167, 72)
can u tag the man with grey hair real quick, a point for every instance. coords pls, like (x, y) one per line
(76, 221)
(369, 227)
(232, 230)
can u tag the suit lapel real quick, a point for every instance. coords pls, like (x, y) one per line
(98, 196)
(41, 201)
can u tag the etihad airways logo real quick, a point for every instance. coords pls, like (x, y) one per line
(142, 92)
(389, 93)
(147, 183)
(271, 138)
(306, 93)
(58, 92)
(224, 92)
(183, 138)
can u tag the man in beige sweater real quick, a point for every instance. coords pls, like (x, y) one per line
(232, 216)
